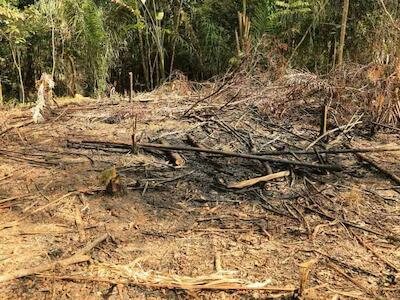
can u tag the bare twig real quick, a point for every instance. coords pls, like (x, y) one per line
(15, 127)
(347, 126)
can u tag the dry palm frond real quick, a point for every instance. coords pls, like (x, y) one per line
(308, 81)
(220, 280)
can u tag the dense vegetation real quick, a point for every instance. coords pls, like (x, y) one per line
(89, 43)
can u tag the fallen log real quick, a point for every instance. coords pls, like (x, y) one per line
(253, 181)
(99, 145)
(334, 151)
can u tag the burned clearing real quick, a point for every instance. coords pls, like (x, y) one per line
(164, 197)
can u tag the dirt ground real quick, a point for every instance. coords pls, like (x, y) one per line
(172, 227)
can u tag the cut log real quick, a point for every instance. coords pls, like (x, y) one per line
(174, 157)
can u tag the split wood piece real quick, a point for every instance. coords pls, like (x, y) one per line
(227, 286)
(174, 157)
(130, 86)
(388, 173)
(134, 136)
(351, 279)
(78, 257)
(105, 145)
(254, 181)
(387, 148)
(374, 252)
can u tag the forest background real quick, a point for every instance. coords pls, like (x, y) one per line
(88, 45)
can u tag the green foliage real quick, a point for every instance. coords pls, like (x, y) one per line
(91, 42)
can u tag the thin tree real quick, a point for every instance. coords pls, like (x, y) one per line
(343, 28)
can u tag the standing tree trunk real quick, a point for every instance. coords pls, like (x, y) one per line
(72, 86)
(53, 46)
(1, 94)
(17, 62)
(176, 32)
(143, 58)
(345, 14)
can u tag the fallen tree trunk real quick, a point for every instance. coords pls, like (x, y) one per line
(99, 145)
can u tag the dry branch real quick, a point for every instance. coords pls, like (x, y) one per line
(16, 222)
(254, 181)
(321, 137)
(15, 127)
(78, 257)
(388, 173)
(75, 259)
(351, 279)
(374, 252)
(387, 148)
